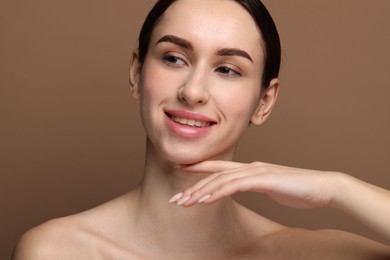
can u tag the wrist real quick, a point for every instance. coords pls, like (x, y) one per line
(343, 186)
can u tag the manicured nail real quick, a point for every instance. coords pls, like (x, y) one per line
(184, 199)
(204, 198)
(176, 197)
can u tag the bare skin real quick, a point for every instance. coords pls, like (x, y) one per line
(93, 235)
(143, 225)
(200, 83)
(293, 187)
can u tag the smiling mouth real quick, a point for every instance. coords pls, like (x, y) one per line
(190, 122)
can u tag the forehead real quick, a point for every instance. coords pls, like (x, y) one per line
(217, 23)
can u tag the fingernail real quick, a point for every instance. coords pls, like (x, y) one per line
(176, 197)
(184, 199)
(204, 198)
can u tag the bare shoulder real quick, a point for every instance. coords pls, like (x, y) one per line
(328, 244)
(79, 236)
(46, 241)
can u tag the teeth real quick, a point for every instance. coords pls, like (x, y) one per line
(190, 122)
(198, 124)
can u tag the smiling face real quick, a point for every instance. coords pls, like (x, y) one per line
(199, 85)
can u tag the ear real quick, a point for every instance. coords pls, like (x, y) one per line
(135, 73)
(266, 103)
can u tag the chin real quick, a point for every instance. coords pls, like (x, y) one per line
(185, 158)
(192, 156)
(184, 153)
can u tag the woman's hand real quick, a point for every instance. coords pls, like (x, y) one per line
(289, 186)
(293, 187)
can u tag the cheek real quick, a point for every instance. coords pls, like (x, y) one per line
(158, 82)
(238, 104)
(158, 87)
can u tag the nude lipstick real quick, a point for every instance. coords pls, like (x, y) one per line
(189, 124)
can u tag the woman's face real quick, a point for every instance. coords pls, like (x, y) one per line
(200, 82)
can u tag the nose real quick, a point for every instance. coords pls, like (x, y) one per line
(194, 90)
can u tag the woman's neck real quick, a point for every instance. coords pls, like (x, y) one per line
(171, 227)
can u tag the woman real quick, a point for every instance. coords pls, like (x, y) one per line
(202, 77)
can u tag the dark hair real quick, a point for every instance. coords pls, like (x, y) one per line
(260, 14)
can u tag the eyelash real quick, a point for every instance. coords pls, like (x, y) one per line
(171, 60)
(228, 72)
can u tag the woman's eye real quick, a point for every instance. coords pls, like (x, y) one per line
(228, 71)
(173, 60)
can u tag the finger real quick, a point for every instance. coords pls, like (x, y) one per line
(208, 184)
(229, 174)
(187, 195)
(213, 193)
(211, 184)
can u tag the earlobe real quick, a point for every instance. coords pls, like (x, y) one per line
(266, 103)
(135, 72)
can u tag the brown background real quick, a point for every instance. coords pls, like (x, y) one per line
(71, 136)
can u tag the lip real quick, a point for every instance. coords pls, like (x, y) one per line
(187, 131)
(190, 115)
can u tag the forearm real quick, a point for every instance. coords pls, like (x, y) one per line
(367, 203)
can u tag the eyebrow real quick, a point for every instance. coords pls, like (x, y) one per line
(234, 52)
(176, 40)
(187, 45)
